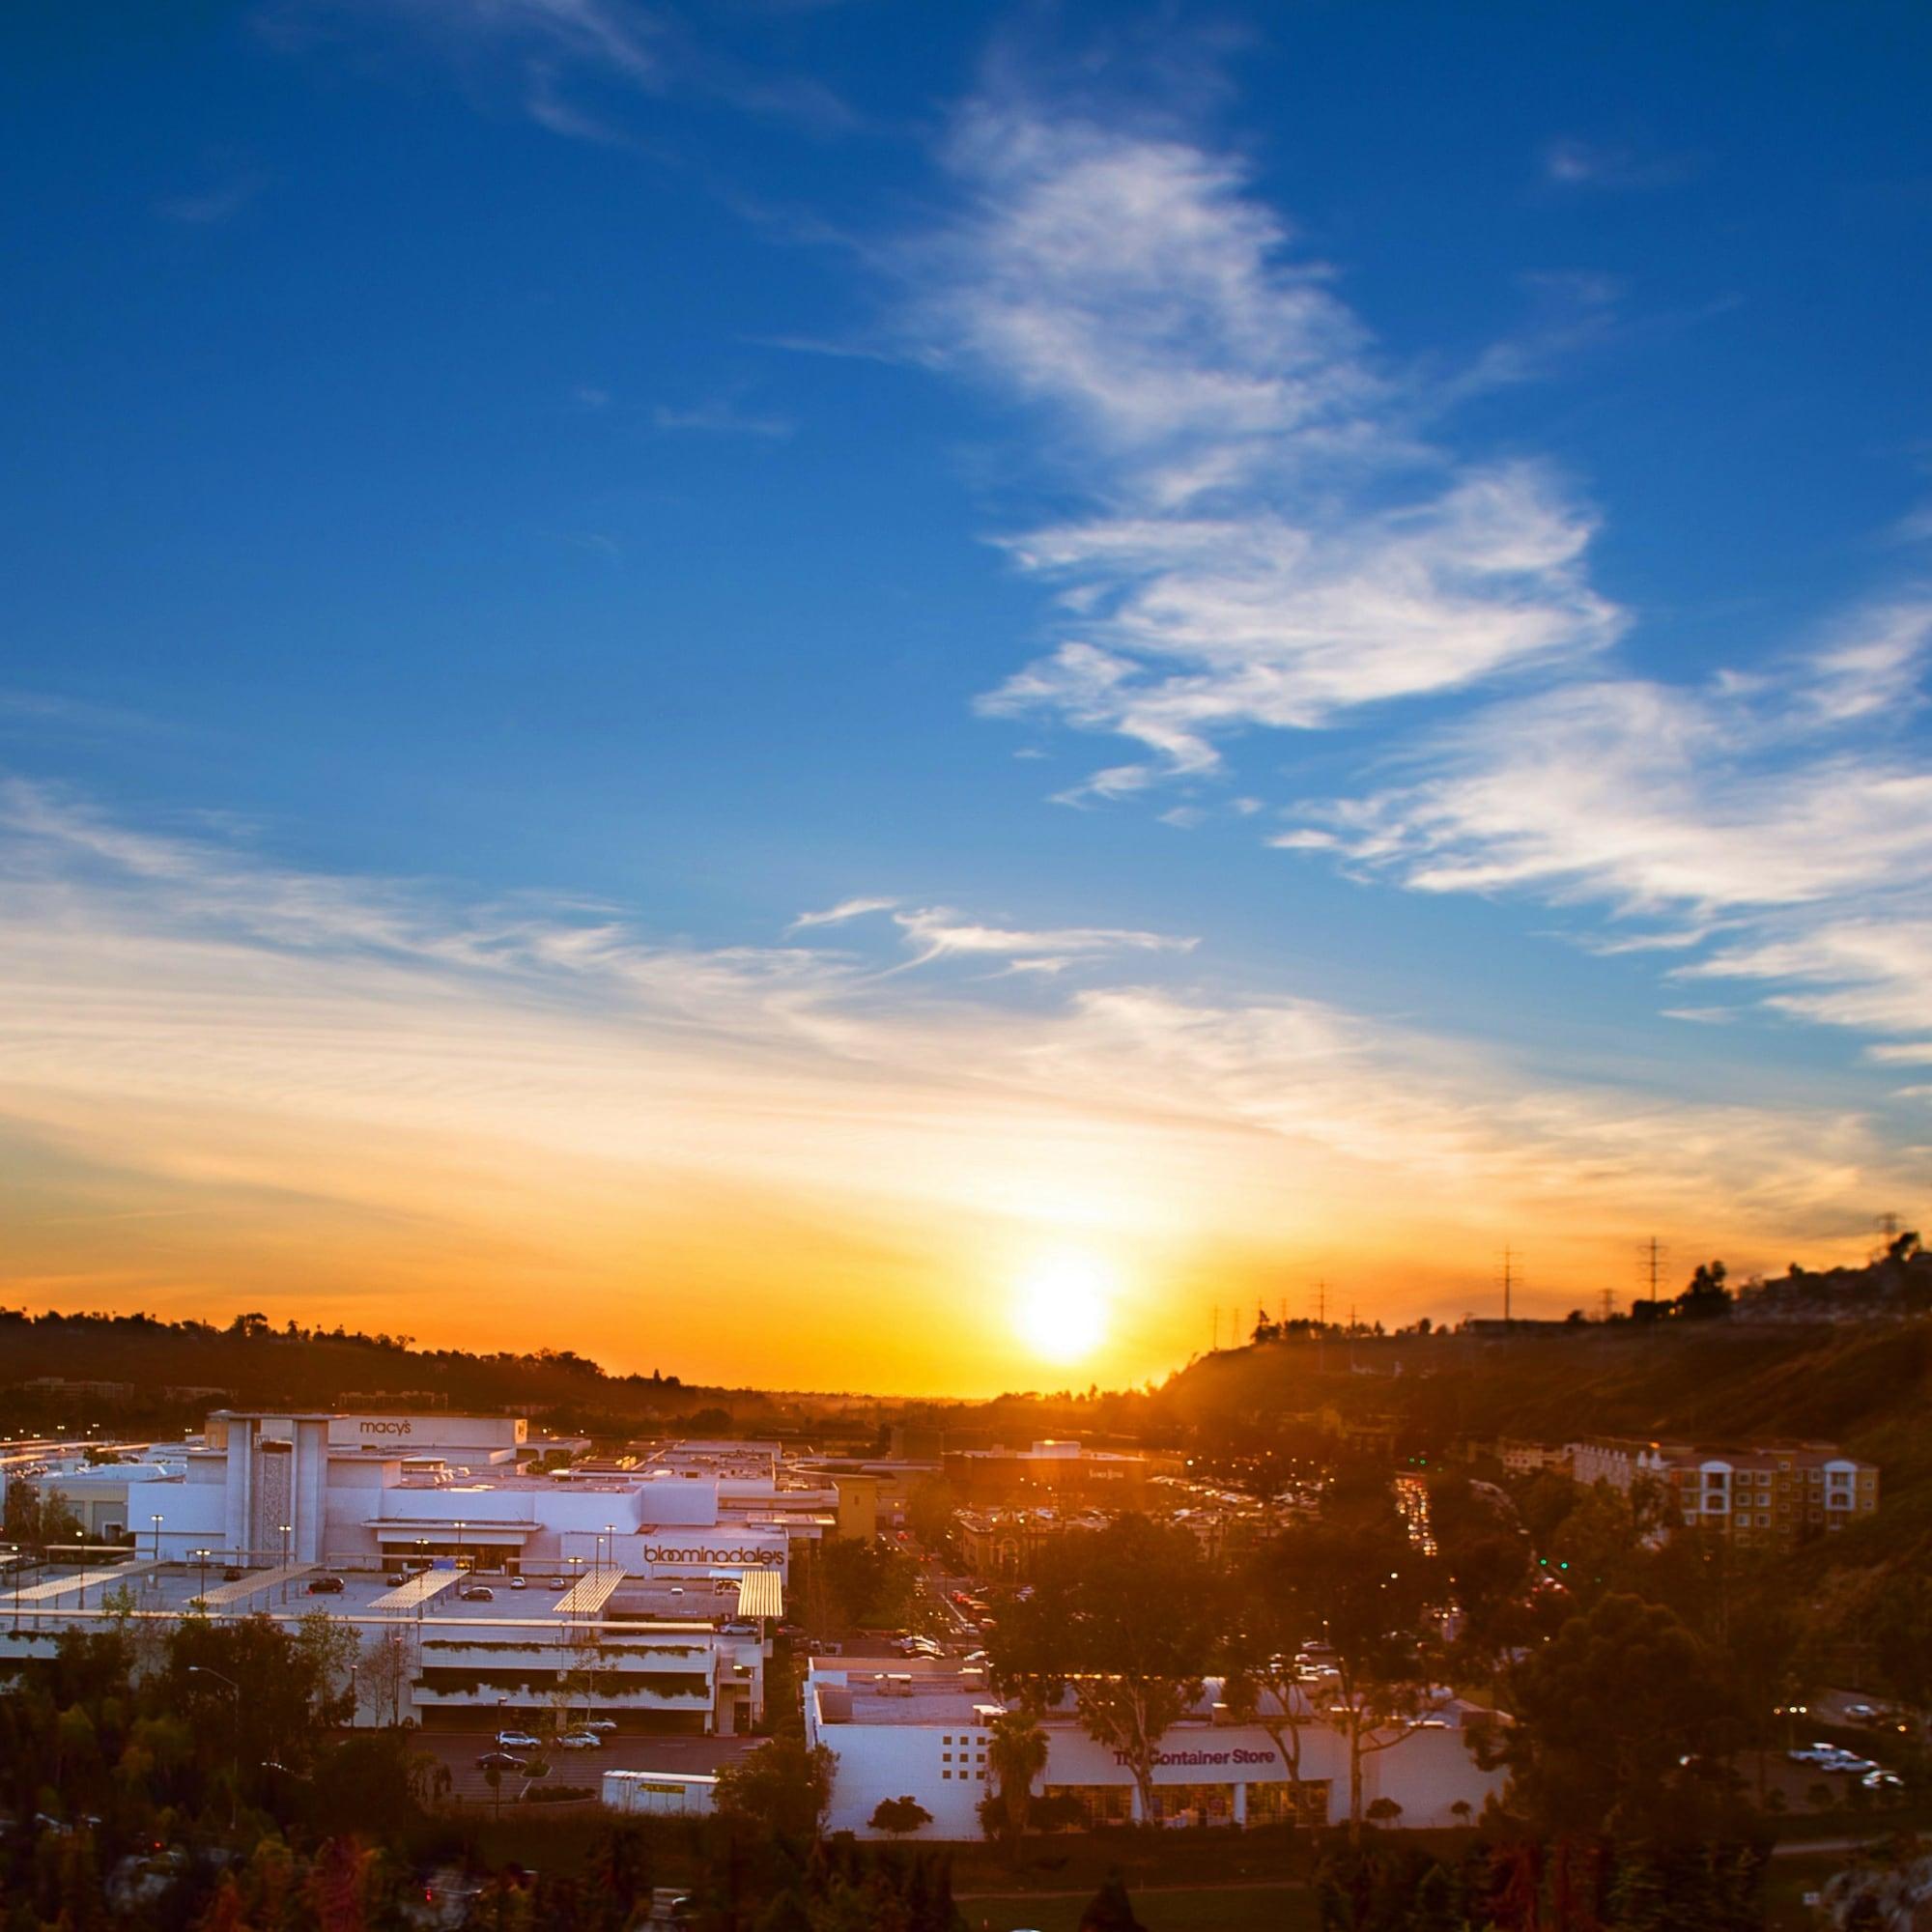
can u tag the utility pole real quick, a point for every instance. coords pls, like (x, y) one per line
(1606, 1305)
(1509, 1282)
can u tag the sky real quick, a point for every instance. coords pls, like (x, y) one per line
(840, 693)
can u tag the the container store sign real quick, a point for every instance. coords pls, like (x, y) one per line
(1226, 1754)
(1202, 1760)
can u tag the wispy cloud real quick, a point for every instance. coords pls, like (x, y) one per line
(721, 416)
(1571, 162)
(578, 67)
(1274, 542)
(211, 207)
(838, 915)
(1787, 813)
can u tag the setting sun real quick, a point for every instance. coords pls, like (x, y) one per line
(1062, 1309)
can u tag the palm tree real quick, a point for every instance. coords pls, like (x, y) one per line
(1016, 1751)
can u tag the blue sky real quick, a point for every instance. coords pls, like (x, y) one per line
(1345, 587)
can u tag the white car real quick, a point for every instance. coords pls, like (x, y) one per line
(1882, 1780)
(520, 1582)
(517, 1741)
(605, 1724)
(580, 1741)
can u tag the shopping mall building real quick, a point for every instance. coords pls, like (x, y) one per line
(638, 1586)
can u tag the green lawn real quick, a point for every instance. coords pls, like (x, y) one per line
(1259, 1909)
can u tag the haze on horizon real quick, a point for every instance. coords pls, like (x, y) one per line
(849, 695)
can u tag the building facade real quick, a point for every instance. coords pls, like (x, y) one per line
(903, 1730)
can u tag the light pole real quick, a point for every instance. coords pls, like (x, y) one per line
(201, 1556)
(155, 1519)
(235, 1758)
(288, 1529)
(611, 1542)
(459, 1542)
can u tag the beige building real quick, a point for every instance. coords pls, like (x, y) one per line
(1774, 1496)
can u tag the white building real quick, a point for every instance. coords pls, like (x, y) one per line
(625, 1593)
(902, 1729)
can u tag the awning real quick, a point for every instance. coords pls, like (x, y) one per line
(761, 1594)
(586, 1598)
(420, 1589)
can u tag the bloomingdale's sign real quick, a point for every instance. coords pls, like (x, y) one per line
(664, 1553)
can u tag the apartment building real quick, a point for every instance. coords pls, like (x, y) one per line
(1776, 1495)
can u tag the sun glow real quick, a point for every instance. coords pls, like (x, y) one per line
(1061, 1308)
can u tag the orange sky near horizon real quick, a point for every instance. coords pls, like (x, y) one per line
(225, 1086)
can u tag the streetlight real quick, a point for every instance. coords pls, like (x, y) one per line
(459, 1542)
(288, 1529)
(235, 1761)
(610, 1542)
(155, 1519)
(201, 1556)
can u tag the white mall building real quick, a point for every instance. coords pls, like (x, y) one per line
(644, 1587)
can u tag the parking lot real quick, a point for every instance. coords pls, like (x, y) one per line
(457, 1750)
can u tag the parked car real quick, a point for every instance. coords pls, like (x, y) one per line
(1864, 1712)
(520, 1582)
(477, 1593)
(516, 1740)
(740, 1628)
(580, 1741)
(232, 1575)
(499, 1760)
(1882, 1780)
(324, 1586)
(604, 1725)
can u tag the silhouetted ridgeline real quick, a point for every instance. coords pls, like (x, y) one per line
(130, 1370)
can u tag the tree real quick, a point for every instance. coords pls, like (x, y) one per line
(1125, 1617)
(1901, 1633)
(930, 1510)
(1274, 1615)
(783, 1786)
(869, 1581)
(900, 1816)
(1707, 1295)
(1604, 1713)
(1376, 1590)
(1110, 1910)
(327, 1649)
(1016, 1754)
(38, 1519)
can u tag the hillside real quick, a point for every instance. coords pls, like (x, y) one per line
(1868, 1387)
(170, 1372)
